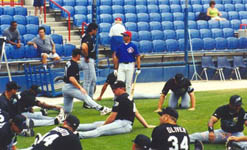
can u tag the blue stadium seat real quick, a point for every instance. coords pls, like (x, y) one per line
(105, 9)
(205, 33)
(3, 27)
(69, 3)
(105, 18)
(193, 2)
(20, 19)
(137, 44)
(181, 45)
(155, 17)
(80, 10)
(194, 33)
(243, 15)
(119, 15)
(18, 53)
(106, 2)
(143, 17)
(154, 25)
(205, 2)
(57, 39)
(129, 9)
(225, 24)
(209, 44)
(228, 32)
(81, 3)
(141, 9)
(232, 43)
(217, 33)
(104, 27)
(157, 35)
(192, 24)
(167, 17)
(224, 14)
(244, 21)
(169, 34)
(180, 34)
(164, 8)
(197, 44)
(31, 52)
(130, 17)
(174, 2)
(143, 26)
(190, 9)
(218, 1)
(236, 1)
(226, 1)
(53, 6)
(220, 43)
(239, 7)
(144, 35)
(178, 25)
(202, 24)
(205, 7)
(153, 9)
(220, 7)
(229, 7)
(131, 26)
(213, 24)
(235, 24)
(79, 19)
(172, 45)
(167, 25)
(152, 2)
(243, 42)
(175, 8)
(8, 50)
(146, 46)
(89, 10)
(1, 10)
(104, 38)
(70, 9)
(28, 37)
(191, 16)
(233, 15)
(178, 16)
(159, 45)
(32, 20)
(197, 8)
(59, 49)
(20, 11)
(129, 2)
(135, 36)
(6, 19)
(117, 9)
(68, 48)
(162, 2)
(7, 10)
(22, 29)
(32, 29)
(118, 2)
(141, 2)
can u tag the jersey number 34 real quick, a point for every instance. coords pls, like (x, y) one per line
(178, 146)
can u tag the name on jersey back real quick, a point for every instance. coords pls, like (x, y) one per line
(176, 130)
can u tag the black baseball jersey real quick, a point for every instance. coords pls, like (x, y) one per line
(9, 106)
(178, 89)
(124, 107)
(59, 138)
(168, 136)
(111, 78)
(230, 121)
(71, 70)
(90, 43)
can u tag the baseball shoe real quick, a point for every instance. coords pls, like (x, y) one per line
(86, 106)
(61, 116)
(37, 138)
(105, 111)
(29, 131)
(44, 111)
(198, 145)
(230, 145)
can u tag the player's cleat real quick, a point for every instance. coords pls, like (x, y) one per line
(230, 145)
(86, 106)
(61, 116)
(27, 132)
(37, 138)
(44, 111)
(29, 123)
(105, 111)
(198, 145)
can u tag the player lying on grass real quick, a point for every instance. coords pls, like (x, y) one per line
(119, 121)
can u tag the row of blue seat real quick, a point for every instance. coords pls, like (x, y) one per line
(27, 29)
(8, 10)
(20, 19)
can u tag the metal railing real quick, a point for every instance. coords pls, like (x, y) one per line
(66, 11)
(12, 2)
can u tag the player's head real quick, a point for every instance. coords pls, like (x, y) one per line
(41, 31)
(92, 28)
(72, 122)
(168, 115)
(212, 3)
(179, 78)
(127, 36)
(18, 123)
(235, 103)
(35, 89)
(12, 87)
(13, 25)
(141, 142)
(119, 88)
(76, 54)
(118, 20)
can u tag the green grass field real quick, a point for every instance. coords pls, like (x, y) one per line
(193, 121)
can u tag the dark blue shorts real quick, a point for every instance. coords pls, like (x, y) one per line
(38, 3)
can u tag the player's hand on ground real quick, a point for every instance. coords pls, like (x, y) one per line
(83, 91)
(98, 99)
(151, 126)
(158, 110)
(192, 109)
(211, 136)
(115, 72)
(138, 71)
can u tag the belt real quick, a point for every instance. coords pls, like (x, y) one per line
(126, 62)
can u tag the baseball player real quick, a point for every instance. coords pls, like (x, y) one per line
(60, 138)
(141, 142)
(72, 89)
(180, 87)
(124, 60)
(168, 135)
(232, 117)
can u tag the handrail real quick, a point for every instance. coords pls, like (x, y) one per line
(12, 3)
(63, 9)
(82, 27)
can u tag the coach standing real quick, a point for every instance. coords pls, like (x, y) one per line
(124, 61)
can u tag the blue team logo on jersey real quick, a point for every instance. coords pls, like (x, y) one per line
(130, 50)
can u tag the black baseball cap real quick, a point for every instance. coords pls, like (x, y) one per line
(20, 122)
(73, 121)
(142, 141)
(35, 88)
(236, 100)
(12, 85)
(170, 111)
(179, 78)
(76, 52)
(118, 84)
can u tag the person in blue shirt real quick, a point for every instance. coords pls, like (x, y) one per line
(124, 59)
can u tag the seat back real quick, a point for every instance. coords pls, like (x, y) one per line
(222, 62)
(207, 62)
(238, 61)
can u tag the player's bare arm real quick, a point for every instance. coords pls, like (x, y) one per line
(193, 101)
(85, 51)
(161, 101)
(47, 106)
(138, 62)
(142, 120)
(77, 85)
(111, 118)
(102, 91)
(237, 139)
(53, 48)
(211, 123)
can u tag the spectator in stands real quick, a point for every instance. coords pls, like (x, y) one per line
(38, 5)
(213, 12)
(115, 33)
(46, 45)
(13, 35)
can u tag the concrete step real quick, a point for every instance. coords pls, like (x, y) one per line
(56, 24)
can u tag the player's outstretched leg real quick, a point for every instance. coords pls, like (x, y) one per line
(198, 145)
